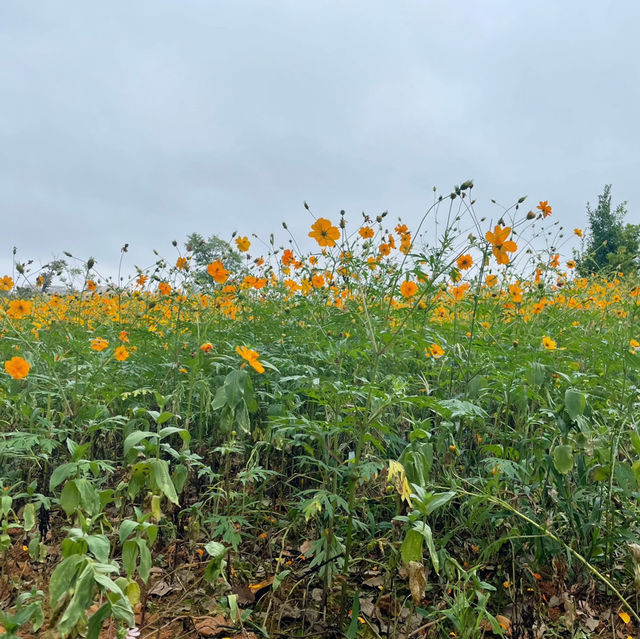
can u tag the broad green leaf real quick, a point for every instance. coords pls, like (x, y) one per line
(144, 569)
(61, 473)
(425, 530)
(97, 620)
(180, 474)
(29, 516)
(411, 549)
(70, 498)
(574, 402)
(80, 601)
(99, 546)
(127, 526)
(133, 439)
(130, 556)
(161, 476)
(563, 458)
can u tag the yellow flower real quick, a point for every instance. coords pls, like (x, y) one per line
(99, 344)
(324, 233)
(19, 308)
(251, 357)
(624, 616)
(366, 232)
(465, 262)
(408, 289)
(121, 353)
(243, 244)
(548, 343)
(218, 272)
(500, 244)
(545, 207)
(164, 288)
(17, 367)
(6, 283)
(434, 351)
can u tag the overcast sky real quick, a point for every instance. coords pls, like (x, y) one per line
(142, 121)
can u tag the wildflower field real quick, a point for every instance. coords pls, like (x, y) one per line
(424, 432)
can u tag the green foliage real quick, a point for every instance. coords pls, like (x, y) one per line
(611, 244)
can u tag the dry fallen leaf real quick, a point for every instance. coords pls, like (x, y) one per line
(211, 626)
(417, 581)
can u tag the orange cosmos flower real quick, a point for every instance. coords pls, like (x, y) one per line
(6, 283)
(384, 249)
(124, 336)
(99, 344)
(317, 281)
(164, 288)
(401, 229)
(17, 367)
(141, 280)
(577, 232)
(324, 233)
(555, 261)
(206, 347)
(91, 286)
(545, 208)
(408, 289)
(571, 264)
(500, 244)
(287, 257)
(366, 232)
(182, 263)
(251, 357)
(434, 351)
(465, 262)
(491, 280)
(243, 244)
(19, 308)
(218, 272)
(121, 353)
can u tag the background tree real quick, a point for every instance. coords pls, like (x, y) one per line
(611, 244)
(205, 251)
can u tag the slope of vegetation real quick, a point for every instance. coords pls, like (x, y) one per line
(390, 437)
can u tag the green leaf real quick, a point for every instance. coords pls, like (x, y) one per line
(215, 549)
(29, 516)
(411, 549)
(164, 417)
(99, 546)
(130, 556)
(279, 578)
(127, 526)
(97, 621)
(425, 530)
(62, 473)
(80, 601)
(179, 478)
(161, 476)
(563, 458)
(70, 498)
(574, 402)
(144, 569)
(133, 439)
(352, 630)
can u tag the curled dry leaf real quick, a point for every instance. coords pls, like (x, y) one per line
(417, 581)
